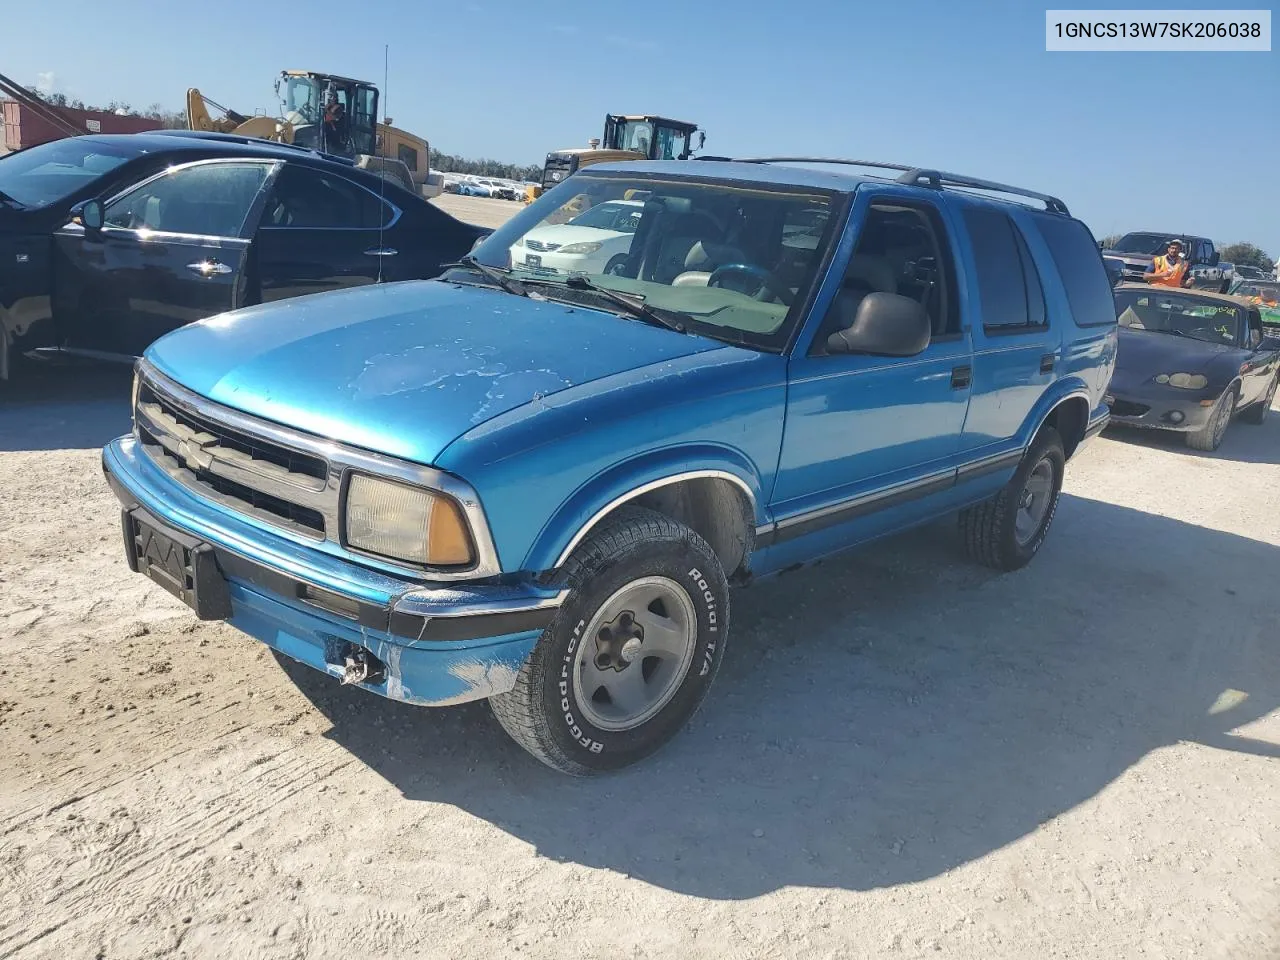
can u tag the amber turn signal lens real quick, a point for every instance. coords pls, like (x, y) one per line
(448, 541)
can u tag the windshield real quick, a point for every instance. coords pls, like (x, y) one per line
(1179, 315)
(1148, 244)
(54, 171)
(1267, 293)
(730, 261)
(300, 98)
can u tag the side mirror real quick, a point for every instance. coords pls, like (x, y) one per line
(885, 324)
(702, 139)
(91, 214)
(1102, 245)
(1215, 258)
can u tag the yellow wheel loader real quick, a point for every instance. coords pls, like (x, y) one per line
(626, 137)
(332, 114)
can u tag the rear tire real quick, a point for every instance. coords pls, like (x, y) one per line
(1257, 414)
(630, 655)
(1005, 531)
(1209, 437)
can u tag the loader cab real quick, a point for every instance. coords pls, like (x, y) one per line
(329, 113)
(625, 138)
(654, 138)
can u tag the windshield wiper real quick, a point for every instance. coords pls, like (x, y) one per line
(634, 306)
(493, 274)
(5, 198)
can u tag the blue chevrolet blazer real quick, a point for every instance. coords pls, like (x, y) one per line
(533, 479)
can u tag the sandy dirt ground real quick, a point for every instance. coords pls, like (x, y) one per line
(904, 755)
(479, 210)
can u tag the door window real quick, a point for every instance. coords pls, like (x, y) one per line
(208, 200)
(316, 199)
(902, 249)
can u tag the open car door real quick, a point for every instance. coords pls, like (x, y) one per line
(172, 249)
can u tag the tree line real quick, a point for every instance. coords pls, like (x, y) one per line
(448, 163)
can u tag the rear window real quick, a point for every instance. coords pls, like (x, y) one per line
(1075, 254)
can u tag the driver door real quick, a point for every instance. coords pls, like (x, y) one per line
(172, 250)
(867, 433)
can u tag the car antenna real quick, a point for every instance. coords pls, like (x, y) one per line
(382, 180)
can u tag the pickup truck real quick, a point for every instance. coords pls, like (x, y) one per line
(536, 486)
(1137, 250)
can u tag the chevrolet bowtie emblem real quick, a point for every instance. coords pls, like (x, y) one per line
(196, 455)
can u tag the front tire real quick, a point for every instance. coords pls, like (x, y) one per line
(1209, 437)
(631, 653)
(1006, 531)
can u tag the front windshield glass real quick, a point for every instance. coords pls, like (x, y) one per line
(1147, 244)
(1179, 315)
(1268, 293)
(731, 261)
(300, 98)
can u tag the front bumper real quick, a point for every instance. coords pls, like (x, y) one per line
(1159, 408)
(439, 645)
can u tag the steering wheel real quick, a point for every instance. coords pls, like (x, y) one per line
(766, 282)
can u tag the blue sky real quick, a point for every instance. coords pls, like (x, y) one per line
(1165, 141)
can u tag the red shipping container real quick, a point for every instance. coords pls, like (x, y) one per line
(24, 128)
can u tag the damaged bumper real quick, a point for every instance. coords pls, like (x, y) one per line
(418, 643)
(1160, 408)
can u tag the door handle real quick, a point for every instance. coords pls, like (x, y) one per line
(208, 268)
(1047, 362)
(961, 377)
(381, 252)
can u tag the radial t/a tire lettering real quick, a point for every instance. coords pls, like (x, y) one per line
(631, 653)
(1005, 531)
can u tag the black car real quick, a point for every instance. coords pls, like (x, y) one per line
(1189, 360)
(108, 242)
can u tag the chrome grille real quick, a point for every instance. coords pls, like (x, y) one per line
(537, 246)
(248, 473)
(282, 476)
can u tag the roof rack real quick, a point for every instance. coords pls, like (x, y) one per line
(921, 176)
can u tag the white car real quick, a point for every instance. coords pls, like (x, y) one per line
(591, 242)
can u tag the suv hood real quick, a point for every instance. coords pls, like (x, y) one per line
(405, 368)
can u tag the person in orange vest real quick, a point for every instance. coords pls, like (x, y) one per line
(1171, 269)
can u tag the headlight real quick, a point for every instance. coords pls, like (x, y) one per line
(1186, 381)
(406, 523)
(580, 248)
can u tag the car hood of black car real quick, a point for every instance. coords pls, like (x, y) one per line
(1143, 354)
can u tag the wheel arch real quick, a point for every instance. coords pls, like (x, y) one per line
(1067, 411)
(714, 491)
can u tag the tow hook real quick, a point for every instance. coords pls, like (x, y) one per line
(361, 666)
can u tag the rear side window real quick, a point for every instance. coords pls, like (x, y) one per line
(315, 199)
(1079, 264)
(1008, 284)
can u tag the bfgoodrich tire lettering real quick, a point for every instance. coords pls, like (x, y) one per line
(545, 712)
(990, 529)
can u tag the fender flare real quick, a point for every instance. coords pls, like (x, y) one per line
(1063, 391)
(583, 510)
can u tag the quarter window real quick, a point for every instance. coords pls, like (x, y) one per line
(1079, 264)
(303, 197)
(210, 200)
